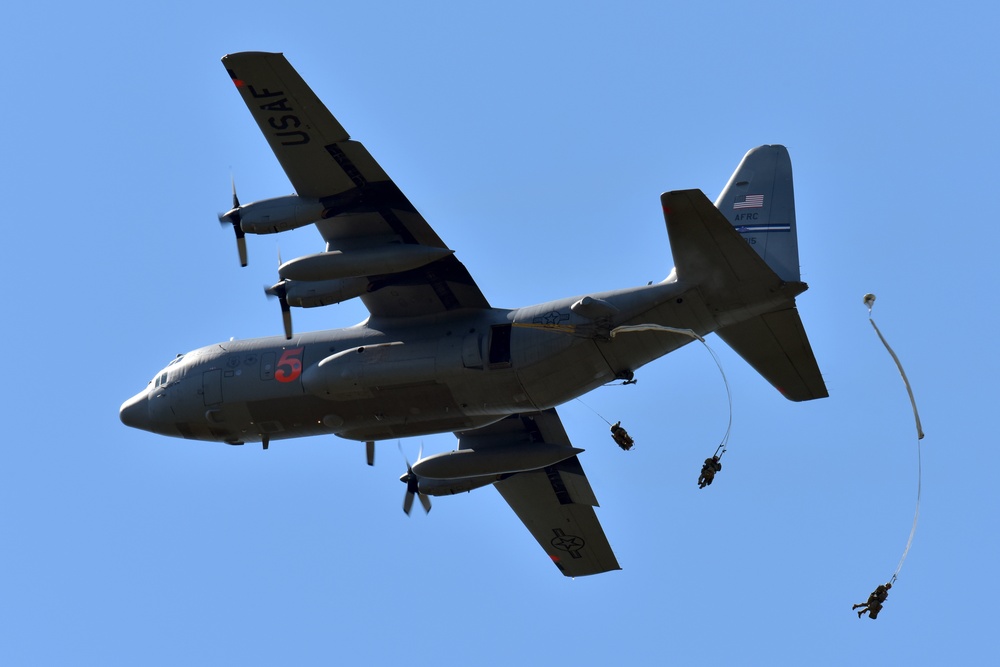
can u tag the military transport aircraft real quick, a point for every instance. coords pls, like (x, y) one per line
(434, 356)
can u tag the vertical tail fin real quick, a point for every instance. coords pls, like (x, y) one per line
(759, 202)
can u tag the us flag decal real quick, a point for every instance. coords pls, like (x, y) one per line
(749, 201)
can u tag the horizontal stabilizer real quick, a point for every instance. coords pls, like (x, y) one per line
(776, 346)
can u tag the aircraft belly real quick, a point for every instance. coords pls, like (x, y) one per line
(230, 422)
(404, 411)
(561, 376)
(458, 401)
(390, 412)
(289, 416)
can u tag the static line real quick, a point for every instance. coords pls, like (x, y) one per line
(721, 449)
(593, 410)
(869, 300)
(909, 390)
(916, 515)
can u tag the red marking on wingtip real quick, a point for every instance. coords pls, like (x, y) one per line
(239, 83)
(666, 209)
(555, 559)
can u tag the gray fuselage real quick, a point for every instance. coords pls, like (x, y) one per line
(407, 377)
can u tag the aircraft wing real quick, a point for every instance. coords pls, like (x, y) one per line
(364, 208)
(555, 503)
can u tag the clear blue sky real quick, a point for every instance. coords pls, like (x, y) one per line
(536, 140)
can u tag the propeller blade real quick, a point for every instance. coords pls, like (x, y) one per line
(370, 452)
(241, 244)
(279, 291)
(236, 200)
(412, 485)
(286, 317)
(232, 216)
(413, 489)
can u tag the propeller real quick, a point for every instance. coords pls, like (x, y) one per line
(279, 290)
(232, 216)
(413, 485)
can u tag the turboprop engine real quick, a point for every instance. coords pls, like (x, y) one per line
(279, 214)
(462, 470)
(269, 216)
(372, 261)
(334, 276)
(497, 460)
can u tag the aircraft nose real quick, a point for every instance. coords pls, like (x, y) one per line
(135, 412)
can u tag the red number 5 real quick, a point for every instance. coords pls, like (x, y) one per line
(289, 365)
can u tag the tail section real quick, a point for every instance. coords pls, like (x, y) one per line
(749, 283)
(759, 202)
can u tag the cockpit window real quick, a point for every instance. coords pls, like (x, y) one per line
(162, 378)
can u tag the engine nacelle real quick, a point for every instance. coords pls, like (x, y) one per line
(448, 487)
(310, 294)
(492, 461)
(373, 261)
(270, 216)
